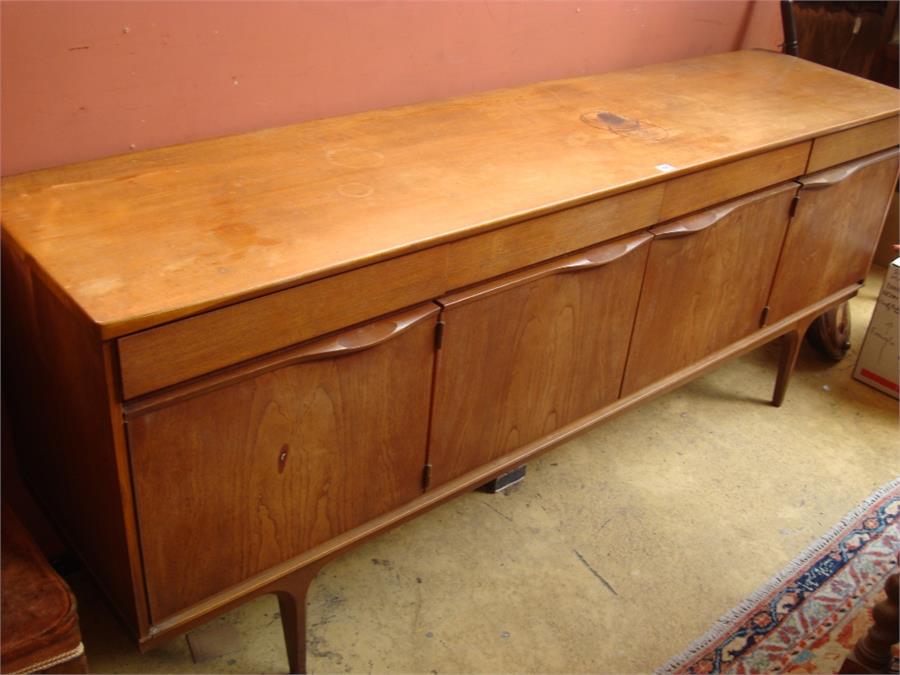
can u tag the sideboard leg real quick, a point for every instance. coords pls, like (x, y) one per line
(291, 594)
(790, 349)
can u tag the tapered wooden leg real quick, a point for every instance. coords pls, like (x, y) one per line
(790, 349)
(291, 594)
(872, 654)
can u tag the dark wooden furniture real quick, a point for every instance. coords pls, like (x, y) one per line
(38, 624)
(872, 653)
(855, 37)
(260, 350)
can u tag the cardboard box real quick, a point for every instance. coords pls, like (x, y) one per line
(878, 361)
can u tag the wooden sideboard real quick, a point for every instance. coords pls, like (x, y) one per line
(229, 361)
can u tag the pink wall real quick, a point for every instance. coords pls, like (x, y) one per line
(82, 80)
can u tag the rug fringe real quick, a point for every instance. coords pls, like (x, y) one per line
(725, 622)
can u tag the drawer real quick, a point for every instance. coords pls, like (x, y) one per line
(849, 144)
(475, 259)
(698, 190)
(243, 470)
(179, 351)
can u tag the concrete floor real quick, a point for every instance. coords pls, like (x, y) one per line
(620, 548)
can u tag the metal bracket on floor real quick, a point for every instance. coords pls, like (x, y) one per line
(505, 481)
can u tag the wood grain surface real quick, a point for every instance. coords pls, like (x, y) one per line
(244, 476)
(707, 281)
(141, 239)
(526, 355)
(832, 237)
(847, 145)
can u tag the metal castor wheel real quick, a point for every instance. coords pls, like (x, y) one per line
(830, 333)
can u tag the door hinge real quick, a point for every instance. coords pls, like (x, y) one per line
(764, 316)
(426, 477)
(439, 334)
(793, 209)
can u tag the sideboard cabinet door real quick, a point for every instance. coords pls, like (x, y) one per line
(833, 233)
(248, 469)
(525, 355)
(708, 277)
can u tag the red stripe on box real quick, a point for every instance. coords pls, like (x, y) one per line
(883, 381)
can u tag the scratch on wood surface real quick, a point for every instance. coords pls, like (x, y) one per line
(595, 572)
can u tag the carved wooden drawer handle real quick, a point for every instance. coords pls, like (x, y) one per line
(344, 343)
(602, 255)
(586, 260)
(705, 219)
(829, 177)
(363, 337)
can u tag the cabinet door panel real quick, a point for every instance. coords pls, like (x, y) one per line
(250, 472)
(708, 277)
(833, 234)
(529, 353)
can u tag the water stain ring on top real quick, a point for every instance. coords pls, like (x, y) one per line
(356, 190)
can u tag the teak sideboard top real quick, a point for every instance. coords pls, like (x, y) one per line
(140, 240)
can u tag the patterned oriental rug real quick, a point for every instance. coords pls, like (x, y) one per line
(807, 619)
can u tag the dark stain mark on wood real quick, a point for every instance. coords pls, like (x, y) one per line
(612, 119)
(73, 49)
(624, 126)
(282, 457)
(595, 573)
